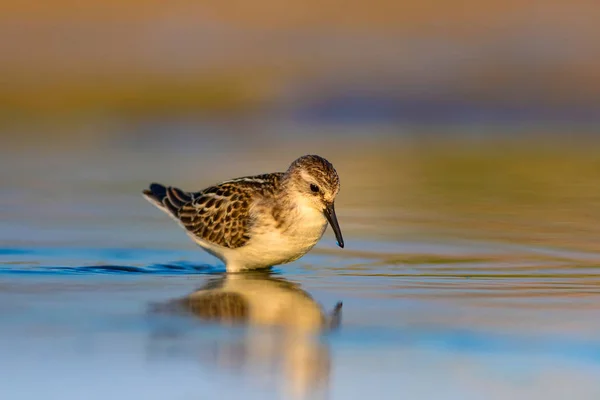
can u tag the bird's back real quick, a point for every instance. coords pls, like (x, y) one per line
(219, 214)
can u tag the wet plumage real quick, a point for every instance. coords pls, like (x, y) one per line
(258, 221)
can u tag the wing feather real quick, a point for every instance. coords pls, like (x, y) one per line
(221, 214)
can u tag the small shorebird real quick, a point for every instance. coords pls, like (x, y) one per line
(258, 221)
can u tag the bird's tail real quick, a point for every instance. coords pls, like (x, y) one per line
(169, 199)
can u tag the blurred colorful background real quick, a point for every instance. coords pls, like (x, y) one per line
(466, 138)
(427, 63)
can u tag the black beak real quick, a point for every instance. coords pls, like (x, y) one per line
(330, 215)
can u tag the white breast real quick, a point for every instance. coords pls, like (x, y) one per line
(272, 246)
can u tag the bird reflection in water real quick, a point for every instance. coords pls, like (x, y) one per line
(290, 345)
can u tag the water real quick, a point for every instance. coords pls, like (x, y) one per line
(469, 272)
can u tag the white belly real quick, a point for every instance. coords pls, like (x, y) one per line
(271, 246)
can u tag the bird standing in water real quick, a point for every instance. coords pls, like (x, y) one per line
(258, 221)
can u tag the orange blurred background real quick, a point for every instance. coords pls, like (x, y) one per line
(411, 62)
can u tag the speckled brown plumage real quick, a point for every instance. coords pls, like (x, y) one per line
(218, 214)
(320, 169)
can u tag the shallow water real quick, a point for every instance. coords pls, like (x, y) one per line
(462, 278)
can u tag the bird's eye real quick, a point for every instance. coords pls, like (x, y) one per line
(314, 188)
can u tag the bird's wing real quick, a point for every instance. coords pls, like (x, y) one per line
(221, 214)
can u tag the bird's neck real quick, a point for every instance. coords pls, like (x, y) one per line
(293, 209)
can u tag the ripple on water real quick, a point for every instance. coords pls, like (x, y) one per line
(434, 306)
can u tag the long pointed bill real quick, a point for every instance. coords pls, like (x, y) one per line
(330, 215)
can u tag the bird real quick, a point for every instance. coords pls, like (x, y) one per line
(256, 222)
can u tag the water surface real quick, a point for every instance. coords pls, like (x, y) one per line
(469, 272)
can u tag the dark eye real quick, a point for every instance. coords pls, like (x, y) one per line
(314, 188)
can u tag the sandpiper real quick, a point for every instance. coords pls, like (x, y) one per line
(258, 221)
